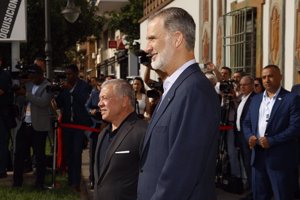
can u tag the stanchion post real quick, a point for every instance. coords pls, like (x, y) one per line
(55, 126)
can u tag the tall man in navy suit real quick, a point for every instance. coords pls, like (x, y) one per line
(271, 128)
(180, 146)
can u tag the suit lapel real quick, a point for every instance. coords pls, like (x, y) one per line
(40, 88)
(246, 106)
(256, 102)
(278, 101)
(166, 101)
(120, 135)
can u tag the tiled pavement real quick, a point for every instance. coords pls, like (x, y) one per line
(86, 193)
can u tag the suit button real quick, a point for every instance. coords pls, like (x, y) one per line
(141, 171)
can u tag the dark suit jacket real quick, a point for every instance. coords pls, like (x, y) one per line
(80, 95)
(245, 110)
(282, 129)
(117, 179)
(180, 147)
(240, 134)
(296, 89)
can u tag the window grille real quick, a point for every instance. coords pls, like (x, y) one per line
(240, 40)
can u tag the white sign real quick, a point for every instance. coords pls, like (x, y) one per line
(12, 20)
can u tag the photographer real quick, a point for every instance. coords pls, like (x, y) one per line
(7, 120)
(35, 126)
(229, 105)
(156, 91)
(156, 86)
(145, 59)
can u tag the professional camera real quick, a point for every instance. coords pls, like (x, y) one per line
(54, 87)
(22, 73)
(143, 57)
(156, 90)
(56, 84)
(226, 87)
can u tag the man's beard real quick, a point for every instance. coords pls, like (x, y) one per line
(163, 59)
(158, 63)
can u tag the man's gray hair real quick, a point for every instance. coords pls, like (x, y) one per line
(121, 88)
(249, 78)
(177, 19)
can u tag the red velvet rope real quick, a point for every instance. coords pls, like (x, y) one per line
(225, 128)
(60, 160)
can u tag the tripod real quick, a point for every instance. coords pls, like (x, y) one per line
(54, 145)
(223, 164)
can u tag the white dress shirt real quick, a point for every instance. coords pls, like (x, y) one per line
(265, 110)
(170, 80)
(240, 110)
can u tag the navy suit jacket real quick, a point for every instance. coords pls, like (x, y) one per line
(282, 129)
(180, 147)
(296, 89)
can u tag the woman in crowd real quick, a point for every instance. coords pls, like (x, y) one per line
(142, 101)
(258, 86)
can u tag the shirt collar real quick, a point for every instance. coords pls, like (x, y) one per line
(246, 96)
(171, 79)
(265, 96)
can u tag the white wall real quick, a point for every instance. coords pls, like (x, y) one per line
(289, 44)
(191, 6)
(265, 33)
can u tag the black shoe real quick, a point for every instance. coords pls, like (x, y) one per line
(3, 175)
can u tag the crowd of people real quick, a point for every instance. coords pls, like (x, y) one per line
(164, 143)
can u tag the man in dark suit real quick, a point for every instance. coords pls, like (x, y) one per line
(271, 127)
(71, 100)
(180, 146)
(296, 90)
(246, 86)
(117, 152)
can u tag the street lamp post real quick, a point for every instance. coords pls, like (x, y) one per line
(71, 14)
(48, 46)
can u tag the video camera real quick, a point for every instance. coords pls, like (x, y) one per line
(143, 57)
(226, 87)
(156, 90)
(22, 73)
(56, 85)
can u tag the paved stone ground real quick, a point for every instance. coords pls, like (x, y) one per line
(88, 194)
